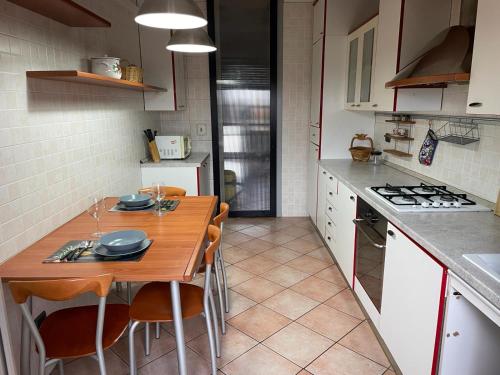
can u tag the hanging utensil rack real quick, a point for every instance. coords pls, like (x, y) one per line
(461, 131)
(406, 124)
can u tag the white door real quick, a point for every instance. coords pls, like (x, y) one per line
(344, 252)
(317, 67)
(312, 181)
(411, 297)
(318, 20)
(484, 84)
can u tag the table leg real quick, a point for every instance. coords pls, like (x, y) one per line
(8, 349)
(26, 342)
(179, 328)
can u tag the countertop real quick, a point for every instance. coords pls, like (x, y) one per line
(447, 236)
(194, 160)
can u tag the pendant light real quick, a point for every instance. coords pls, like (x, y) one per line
(170, 14)
(193, 40)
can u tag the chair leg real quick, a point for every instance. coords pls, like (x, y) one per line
(215, 322)
(224, 278)
(211, 340)
(131, 350)
(157, 334)
(100, 360)
(119, 287)
(147, 340)
(61, 367)
(219, 293)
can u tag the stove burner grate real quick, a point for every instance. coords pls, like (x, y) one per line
(392, 189)
(447, 198)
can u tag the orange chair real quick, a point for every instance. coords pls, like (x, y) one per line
(152, 304)
(168, 191)
(76, 331)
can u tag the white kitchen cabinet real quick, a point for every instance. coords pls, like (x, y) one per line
(345, 214)
(362, 44)
(312, 181)
(322, 192)
(483, 98)
(193, 178)
(411, 298)
(318, 20)
(316, 75)
(162, 68)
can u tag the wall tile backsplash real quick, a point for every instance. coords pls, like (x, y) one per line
(474, 168)
(61, 142)
(297, 52)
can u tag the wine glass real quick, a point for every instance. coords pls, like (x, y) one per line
(96, 210)
(158, 196)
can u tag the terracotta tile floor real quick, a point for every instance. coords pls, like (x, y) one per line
(291, 313)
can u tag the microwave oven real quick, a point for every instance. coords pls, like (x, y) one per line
(173, 146)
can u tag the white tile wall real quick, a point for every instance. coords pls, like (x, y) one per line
(297, 52)
(474, 168)
(61, 142)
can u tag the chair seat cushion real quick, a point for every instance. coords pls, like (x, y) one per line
(71, 332)
(153, 303)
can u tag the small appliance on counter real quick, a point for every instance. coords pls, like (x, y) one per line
(173, 146)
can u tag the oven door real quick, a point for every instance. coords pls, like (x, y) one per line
(371, 228)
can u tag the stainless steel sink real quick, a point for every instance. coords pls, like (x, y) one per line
(489, 263)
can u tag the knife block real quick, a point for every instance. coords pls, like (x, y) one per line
(153, 149)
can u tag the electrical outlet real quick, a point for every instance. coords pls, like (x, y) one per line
(201, 130)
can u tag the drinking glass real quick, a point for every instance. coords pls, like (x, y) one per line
(158, 196)
(96, 210)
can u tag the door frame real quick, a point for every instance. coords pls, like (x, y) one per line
(216, 155)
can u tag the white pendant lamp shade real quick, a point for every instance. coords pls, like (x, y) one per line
(171, 14)
(194, 41)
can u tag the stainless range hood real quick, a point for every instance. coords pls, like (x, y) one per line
(447, 60)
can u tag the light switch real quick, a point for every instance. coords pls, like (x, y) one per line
(201, 129)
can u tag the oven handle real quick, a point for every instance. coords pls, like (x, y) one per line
(358, 225)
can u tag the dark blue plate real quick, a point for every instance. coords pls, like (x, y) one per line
(123, 207)
(123, 240)
(135, 200)
(101, 250)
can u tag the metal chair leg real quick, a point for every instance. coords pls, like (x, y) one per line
(215, 322)
(129, 292)
(147, 340)
(158, 330)
(219, 293)
(131, 350)
(224, 278)
(119, 287)
(211, 340)
(61, 367)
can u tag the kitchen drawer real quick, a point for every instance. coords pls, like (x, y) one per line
(332, 183)
(331, 196)
(330, 240)
(314, 135)
(331, 212)
(330, 227)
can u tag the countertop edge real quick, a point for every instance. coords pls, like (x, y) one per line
(194, 160)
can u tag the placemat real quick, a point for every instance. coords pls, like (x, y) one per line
(166, 205)
(89, 256)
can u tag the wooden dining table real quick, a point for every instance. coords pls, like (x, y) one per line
(179, 240)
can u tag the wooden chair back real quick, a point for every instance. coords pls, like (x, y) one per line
(60, 289)
(168, 191)
(222, 216)
(214, 238)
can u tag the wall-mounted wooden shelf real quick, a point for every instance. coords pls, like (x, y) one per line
(77, 76)
(410, 122)
(398, 153)
(398, 137)
(66, 12)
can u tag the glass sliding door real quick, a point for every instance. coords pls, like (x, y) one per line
(245, 101)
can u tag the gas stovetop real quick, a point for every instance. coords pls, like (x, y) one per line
(424, 198)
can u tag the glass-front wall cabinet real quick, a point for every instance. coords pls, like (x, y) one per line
(360, 64)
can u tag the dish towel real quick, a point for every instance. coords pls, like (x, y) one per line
(428, 148)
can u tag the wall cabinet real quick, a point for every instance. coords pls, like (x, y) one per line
(411, 297)
(194, 179)
(362, 45)
(318, 20)
(484, 80)
(162, 68)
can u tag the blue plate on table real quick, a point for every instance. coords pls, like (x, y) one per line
(123, 207)
(135, 200)
(123, 240)
(102, 251)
